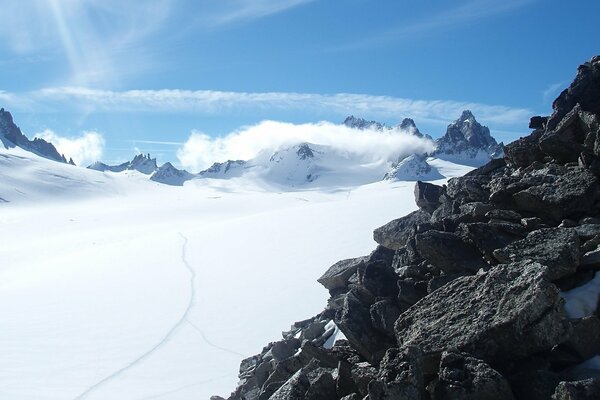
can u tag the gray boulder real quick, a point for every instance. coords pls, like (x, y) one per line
(449, 252)
(427, 196)
(588, 389)
(396, 233)
(336, 277)
(509, 312)
(557, 248)
(462, 377)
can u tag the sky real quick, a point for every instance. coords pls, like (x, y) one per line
(106, 79)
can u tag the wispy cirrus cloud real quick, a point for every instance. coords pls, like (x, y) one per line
(210, 102)
(552, 90)
(218, 13)
(461, 13)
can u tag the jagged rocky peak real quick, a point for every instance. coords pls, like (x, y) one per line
(142, 163)
(11, 136)
(170, 175)
(408, 125)
(412, 168)
(467, 138)
(361, 123)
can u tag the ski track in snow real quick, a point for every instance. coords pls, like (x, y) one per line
(165, 338)
(168, 336)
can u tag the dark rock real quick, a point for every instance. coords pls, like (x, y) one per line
(584, 342)
(400, 375)
(591, 259)
(396, 233)
(345, 384)
(538, 122)
(492, 166)
(565, 142)
(410, 292)
(571, 195)
(584, 90)
(590, 245)
(468, 189)
(509, 312)
(449, 252)
(462, 377)
(353, 396)
(322, 387)
(580, 390)
(507, 215)
(557, 248)
(354, 320)
(588, 231)
(579, 278)
(439, 281)
(533, 223)
(491, 236)
(534, 384)
(383, 315)
(378, 275)
(337, 275)
(477, 210)
(284, 349)
(567, 223)
(293, 389)
(427, 196)
(524, 151)
(362, 374)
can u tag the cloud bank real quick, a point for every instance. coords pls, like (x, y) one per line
(84, 149)
(367, 146)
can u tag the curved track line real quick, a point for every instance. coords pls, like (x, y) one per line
(164, 339)
(208, 342)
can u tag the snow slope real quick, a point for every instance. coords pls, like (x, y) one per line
(116, 287)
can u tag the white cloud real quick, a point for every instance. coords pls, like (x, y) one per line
(368, 146)
(84, 149)
(220, 102)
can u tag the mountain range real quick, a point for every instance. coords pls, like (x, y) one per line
(465, 142)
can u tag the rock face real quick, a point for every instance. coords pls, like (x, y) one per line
(466, 297)
(170, 175)
(468, 140)
(141, 163)
(11, 136)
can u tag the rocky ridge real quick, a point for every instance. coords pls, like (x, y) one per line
(11, 136)
(478, 294)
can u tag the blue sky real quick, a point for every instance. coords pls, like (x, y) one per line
(138, 73)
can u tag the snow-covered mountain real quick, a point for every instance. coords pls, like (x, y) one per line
(413, 168)
(227, 169)
(467, 141)
(141, 163)
(170, 175)
(11, 136)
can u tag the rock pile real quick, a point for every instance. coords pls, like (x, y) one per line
(465, 298)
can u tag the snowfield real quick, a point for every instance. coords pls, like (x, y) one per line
(116, 287)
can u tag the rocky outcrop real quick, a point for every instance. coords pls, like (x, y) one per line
(486, 292)
(142, 163)
(169, 175)
(11, 136)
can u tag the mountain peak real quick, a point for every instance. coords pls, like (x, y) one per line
(466, 116)
(467, 139)
(304, 151)
(11, 136)
(361, 123)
